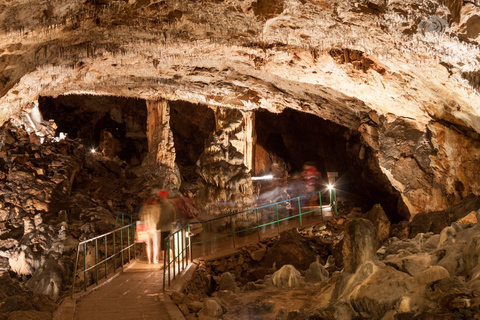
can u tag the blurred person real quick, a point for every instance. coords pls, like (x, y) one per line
(168, 218)
(150, 215)
(311, 176)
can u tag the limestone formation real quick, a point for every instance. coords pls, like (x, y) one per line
(287, 277)
(316, 273)
(227, 282)
(359, 245)
(211, 310)
(380, 220)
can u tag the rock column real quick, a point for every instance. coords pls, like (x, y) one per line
(159, 134)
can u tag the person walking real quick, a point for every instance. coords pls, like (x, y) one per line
(150, 215)
(168, 218)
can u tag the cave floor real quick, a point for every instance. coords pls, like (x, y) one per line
(135, 293)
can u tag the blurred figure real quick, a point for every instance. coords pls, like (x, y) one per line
(311, 176)
(150, 215)
(185, 208)
(168, 217)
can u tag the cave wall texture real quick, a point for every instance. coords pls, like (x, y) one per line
(404, 74)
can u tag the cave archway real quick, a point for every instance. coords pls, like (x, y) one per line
(191, 125)
(88, 117)
(295, 138)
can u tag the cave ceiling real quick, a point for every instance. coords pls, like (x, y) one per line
(246, 54)
(373, 66)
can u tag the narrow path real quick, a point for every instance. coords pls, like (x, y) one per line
(134, 294)
(137, 293)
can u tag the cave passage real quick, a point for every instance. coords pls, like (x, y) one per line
(292, 138)
(89, 117)
(191, 125)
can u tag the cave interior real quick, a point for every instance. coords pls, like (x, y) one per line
(283, 141)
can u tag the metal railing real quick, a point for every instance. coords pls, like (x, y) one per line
(177, 253)
(277, 213)
(103, 258)
(122, 215)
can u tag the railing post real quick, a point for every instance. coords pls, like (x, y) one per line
(173, 253)
(85, 265)
(105, 255)
(121, 246)
(96, 261)
(190, 244)
(128, 243)
(204, 238)
(320, 202)
(178, 251)
(299, 211)
(258, 224)
(134, 233)
(335, 201)
(114, 254)
(168, 257)
(184, 240)
(233, 230)
(75, 271)
(165, 263)
(278, 222)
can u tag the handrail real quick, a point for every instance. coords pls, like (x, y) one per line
(173, 240)
(180, 255)
(130, 229)
(269, 205)
(123, 218)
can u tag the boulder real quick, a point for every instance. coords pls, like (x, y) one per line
(379, 219)
(471, 254)
(411, 264)
(227, 282)
(436, 221)
(177, 297)
(469, 218)
(211, 310)
(400, 230)
(404, 246)
(257, 255)
(432, 274)
(292, 248)
(287, 277)
(194, 306)
(316, 273)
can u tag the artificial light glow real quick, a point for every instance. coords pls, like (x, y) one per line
(330, 187)
(267, 177)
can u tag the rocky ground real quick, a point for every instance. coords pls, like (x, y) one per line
(347, 268)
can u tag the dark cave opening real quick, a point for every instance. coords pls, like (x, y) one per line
(115, 125)
(293, 138)
(191, 125)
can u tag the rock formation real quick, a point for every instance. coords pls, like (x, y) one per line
(404, 75)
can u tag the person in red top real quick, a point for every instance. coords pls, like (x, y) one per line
(311, 176)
